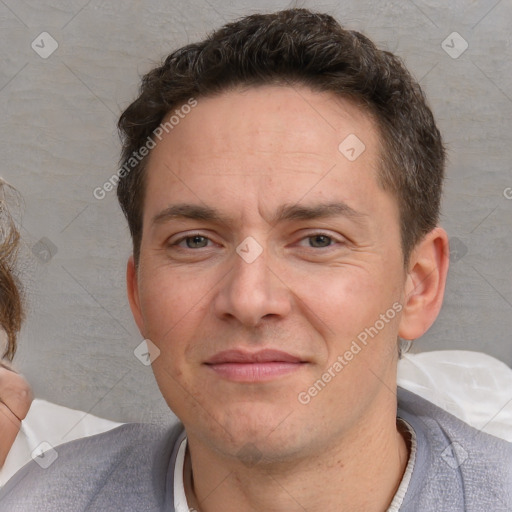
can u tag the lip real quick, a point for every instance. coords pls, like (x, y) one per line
(262, 356)
(264, 365)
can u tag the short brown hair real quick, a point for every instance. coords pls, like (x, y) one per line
(299, 47)
(11, 303)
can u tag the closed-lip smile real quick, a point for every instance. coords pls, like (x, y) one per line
(263, 365)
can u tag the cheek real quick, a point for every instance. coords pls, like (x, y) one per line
(164, 303)
(351, 301)
(175, 308)
(345, 298)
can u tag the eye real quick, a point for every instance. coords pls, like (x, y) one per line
(318, 241)
(192, 242)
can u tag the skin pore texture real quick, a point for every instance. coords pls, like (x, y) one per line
(262, 158)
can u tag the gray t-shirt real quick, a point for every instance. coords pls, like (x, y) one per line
(456, 468)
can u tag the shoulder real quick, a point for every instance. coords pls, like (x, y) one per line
(128, 463)
(54, 425)
(457, 467)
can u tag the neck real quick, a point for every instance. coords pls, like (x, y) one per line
(362, 472)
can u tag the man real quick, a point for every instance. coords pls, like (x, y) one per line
(281, 181)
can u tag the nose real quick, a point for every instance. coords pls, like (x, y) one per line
(253, 290)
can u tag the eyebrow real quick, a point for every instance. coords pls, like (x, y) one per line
(283, 214)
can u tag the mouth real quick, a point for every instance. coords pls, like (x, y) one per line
(264, 365)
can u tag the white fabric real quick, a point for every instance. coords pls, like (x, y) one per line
(180, 499)
(473, 386)
(53, 424)
(404, 484)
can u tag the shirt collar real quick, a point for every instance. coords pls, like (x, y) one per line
(180, 500)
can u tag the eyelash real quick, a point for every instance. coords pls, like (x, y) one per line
(312, 235)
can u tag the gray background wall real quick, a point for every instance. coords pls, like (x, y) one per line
(58, 142)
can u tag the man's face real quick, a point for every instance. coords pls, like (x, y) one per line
(266, 272)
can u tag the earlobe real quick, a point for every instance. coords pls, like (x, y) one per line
(132, 288)
(425, 284)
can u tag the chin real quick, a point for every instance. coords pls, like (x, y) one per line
(258, 433)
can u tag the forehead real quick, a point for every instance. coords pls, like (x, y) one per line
(271, 118)
(268, 140)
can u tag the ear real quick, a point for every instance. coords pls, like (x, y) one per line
(425, 284)
(132, 287)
